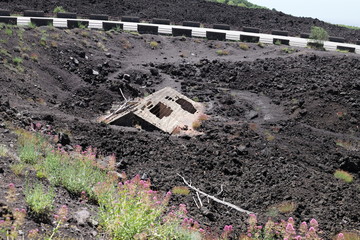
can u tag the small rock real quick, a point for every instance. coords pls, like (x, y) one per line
(154, 72)
(108, 55)
(353, 120)
(253, 114)
(126, 77)
(17, 49)
(94, 72)
(82, 216)
(93, 223)
(63, 139)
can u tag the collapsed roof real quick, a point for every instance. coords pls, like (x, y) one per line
(166, 110)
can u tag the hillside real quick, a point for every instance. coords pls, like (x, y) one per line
(281, 120)
(189, 10)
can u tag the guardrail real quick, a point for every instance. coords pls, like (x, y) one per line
(219, 32)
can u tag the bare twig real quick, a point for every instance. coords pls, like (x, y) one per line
(221, 190)
(214, 198)
(196, 202)
(200, 202)
(122, 94)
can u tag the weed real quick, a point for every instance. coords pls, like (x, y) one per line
(181, 190)
(28, 153)
(32, 25)
(288, 50)
(154, 45)
(343, 175)
(59, 9)
(39, 200)
(277, 42)
(348, 235)
(43, 42)
(3, 151)
(11, 193)
(85, 34)
(4, 52)
(101, 46)
(81, 26)
(17, 60)
(18, 168)
(54, 44)
(3, 41)
(196, 124)
(350, 146)
(203, 117)
(222, 52)
(60, 219)
(261, 45)
(34, 57)
(8, 31)
(349, 27)
(20, 34)
(341, 115)
(196, 99)
(244, 46)
(342, 51)
(286, 207)
(269, 137)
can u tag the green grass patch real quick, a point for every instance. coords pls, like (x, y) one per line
(3, 151)
(8, 31)
(349, 27)
(343, 175)
(39, 200)
(244, 46)
(154, 45)
(222, 52)
(59, 9)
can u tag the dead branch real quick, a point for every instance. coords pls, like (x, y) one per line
(214, 198)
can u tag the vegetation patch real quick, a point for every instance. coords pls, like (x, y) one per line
(39, 200)
(343, 175)
(222, 52)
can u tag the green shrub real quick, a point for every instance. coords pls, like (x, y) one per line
(244, 46)
(277, 42)
(318, 34)
(343, 175)
(39, 200)
(288, 50)
(133, 211)
(154, 44)
(8, 31)
(222, 52)
(261, 45)
(3, 151)
(31, 25)
(59, 9)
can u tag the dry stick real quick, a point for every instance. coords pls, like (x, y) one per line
(214, 198)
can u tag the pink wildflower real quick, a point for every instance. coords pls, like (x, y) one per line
(290, 229)
(340, 236)
(314, 224)
(303, 227)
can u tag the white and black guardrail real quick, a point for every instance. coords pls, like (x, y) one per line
(220, 32)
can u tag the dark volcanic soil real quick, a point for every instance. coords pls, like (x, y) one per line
(189, 10)
(280, 124)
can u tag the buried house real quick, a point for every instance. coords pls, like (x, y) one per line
(166, 110)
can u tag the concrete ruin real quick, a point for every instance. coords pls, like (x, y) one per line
(166, 110)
